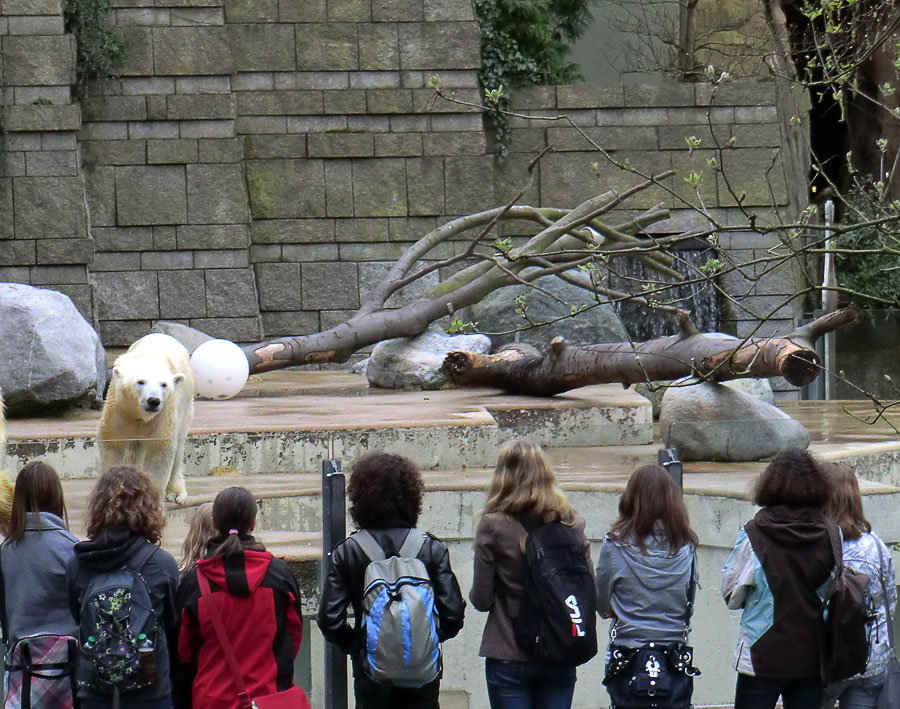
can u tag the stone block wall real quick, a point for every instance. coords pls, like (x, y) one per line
(257, 164)
(44, 235)
(647, 126)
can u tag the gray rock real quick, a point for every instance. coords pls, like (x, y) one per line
(415, 363)
(360, 367)
(710, 421)
(190, 337)
(54, 357)
(497, 313)
(758, 388)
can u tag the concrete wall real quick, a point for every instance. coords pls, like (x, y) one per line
(452, 515)
(257, 164)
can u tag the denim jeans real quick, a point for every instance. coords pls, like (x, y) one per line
(859, 693)
(763, 693)
(528, 685)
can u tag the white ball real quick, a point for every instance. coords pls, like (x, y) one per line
(220, 369)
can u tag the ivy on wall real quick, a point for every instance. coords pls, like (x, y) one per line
(527, 42)
(97, 47)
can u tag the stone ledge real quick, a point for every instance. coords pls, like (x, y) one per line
(28, 119)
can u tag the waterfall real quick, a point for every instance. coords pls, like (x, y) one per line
(700, 299)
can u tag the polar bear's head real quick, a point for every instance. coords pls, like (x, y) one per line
(148, 382)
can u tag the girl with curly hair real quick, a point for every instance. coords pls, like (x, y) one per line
(124, 525)
(523, 495)
(780, 561)
(385, 494)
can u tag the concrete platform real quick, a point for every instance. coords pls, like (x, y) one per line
(293, 422)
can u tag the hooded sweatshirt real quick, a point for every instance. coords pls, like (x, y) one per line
(646, 593)
(115, 548)
(259, 603)
(34, 579)
(777, 572)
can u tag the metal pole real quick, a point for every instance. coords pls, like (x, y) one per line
(334, 529)
(829, 301)
(668, 459)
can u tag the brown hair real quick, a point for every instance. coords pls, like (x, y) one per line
(845, 504)
(524, 484)
(793, 478)
(384, 488)
(652, 500)
(38, 489)
(234, 516)
(126, 497)
(200, 531)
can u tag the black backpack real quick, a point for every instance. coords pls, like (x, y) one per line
(557, 620)
(845, 617)
(118, 631)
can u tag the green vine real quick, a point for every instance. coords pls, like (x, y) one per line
(874, 274)
(97, 48)
(526, 43)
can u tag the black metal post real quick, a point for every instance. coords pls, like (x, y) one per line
(668, 459)
(334, 529)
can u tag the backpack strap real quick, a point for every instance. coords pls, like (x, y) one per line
(370, 547)
(26, 677)
(415, 540)
(243, 698)
(137, 562)
(835, 539)
(884, 598)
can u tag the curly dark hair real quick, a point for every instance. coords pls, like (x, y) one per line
(795, 478)
(385, 489)
(125, 497)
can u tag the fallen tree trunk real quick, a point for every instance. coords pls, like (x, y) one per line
(714, 356)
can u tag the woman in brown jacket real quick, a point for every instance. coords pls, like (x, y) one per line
(523, 489)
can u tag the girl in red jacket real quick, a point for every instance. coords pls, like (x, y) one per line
(258, 601)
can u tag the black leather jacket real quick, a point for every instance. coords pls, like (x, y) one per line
(343, 587)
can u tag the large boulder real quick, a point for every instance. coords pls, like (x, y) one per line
(415, 363)
(497, 314)
(708, 421)
(51, 355)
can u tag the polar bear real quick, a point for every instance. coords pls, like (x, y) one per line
(148, 411)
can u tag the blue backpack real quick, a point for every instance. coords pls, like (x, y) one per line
(399, 619)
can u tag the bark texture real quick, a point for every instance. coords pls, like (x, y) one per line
(714, 356)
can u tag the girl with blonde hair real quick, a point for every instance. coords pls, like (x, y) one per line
(523, 496)
(201, 530)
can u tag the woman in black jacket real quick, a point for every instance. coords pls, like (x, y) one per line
(385, 494)
(125, 521)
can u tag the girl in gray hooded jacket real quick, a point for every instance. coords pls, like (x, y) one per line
(646, 567)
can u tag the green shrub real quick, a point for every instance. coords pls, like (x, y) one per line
(527, 42)
(870, 274)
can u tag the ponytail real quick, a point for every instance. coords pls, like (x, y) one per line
(234, 516)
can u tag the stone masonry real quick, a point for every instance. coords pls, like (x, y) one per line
(258, 164)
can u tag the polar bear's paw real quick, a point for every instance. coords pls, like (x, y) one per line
(179, 498)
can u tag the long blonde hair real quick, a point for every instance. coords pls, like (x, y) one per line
(524, 484)
(198, 536)
(845, 504)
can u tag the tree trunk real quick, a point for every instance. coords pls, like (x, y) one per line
(713, 355)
